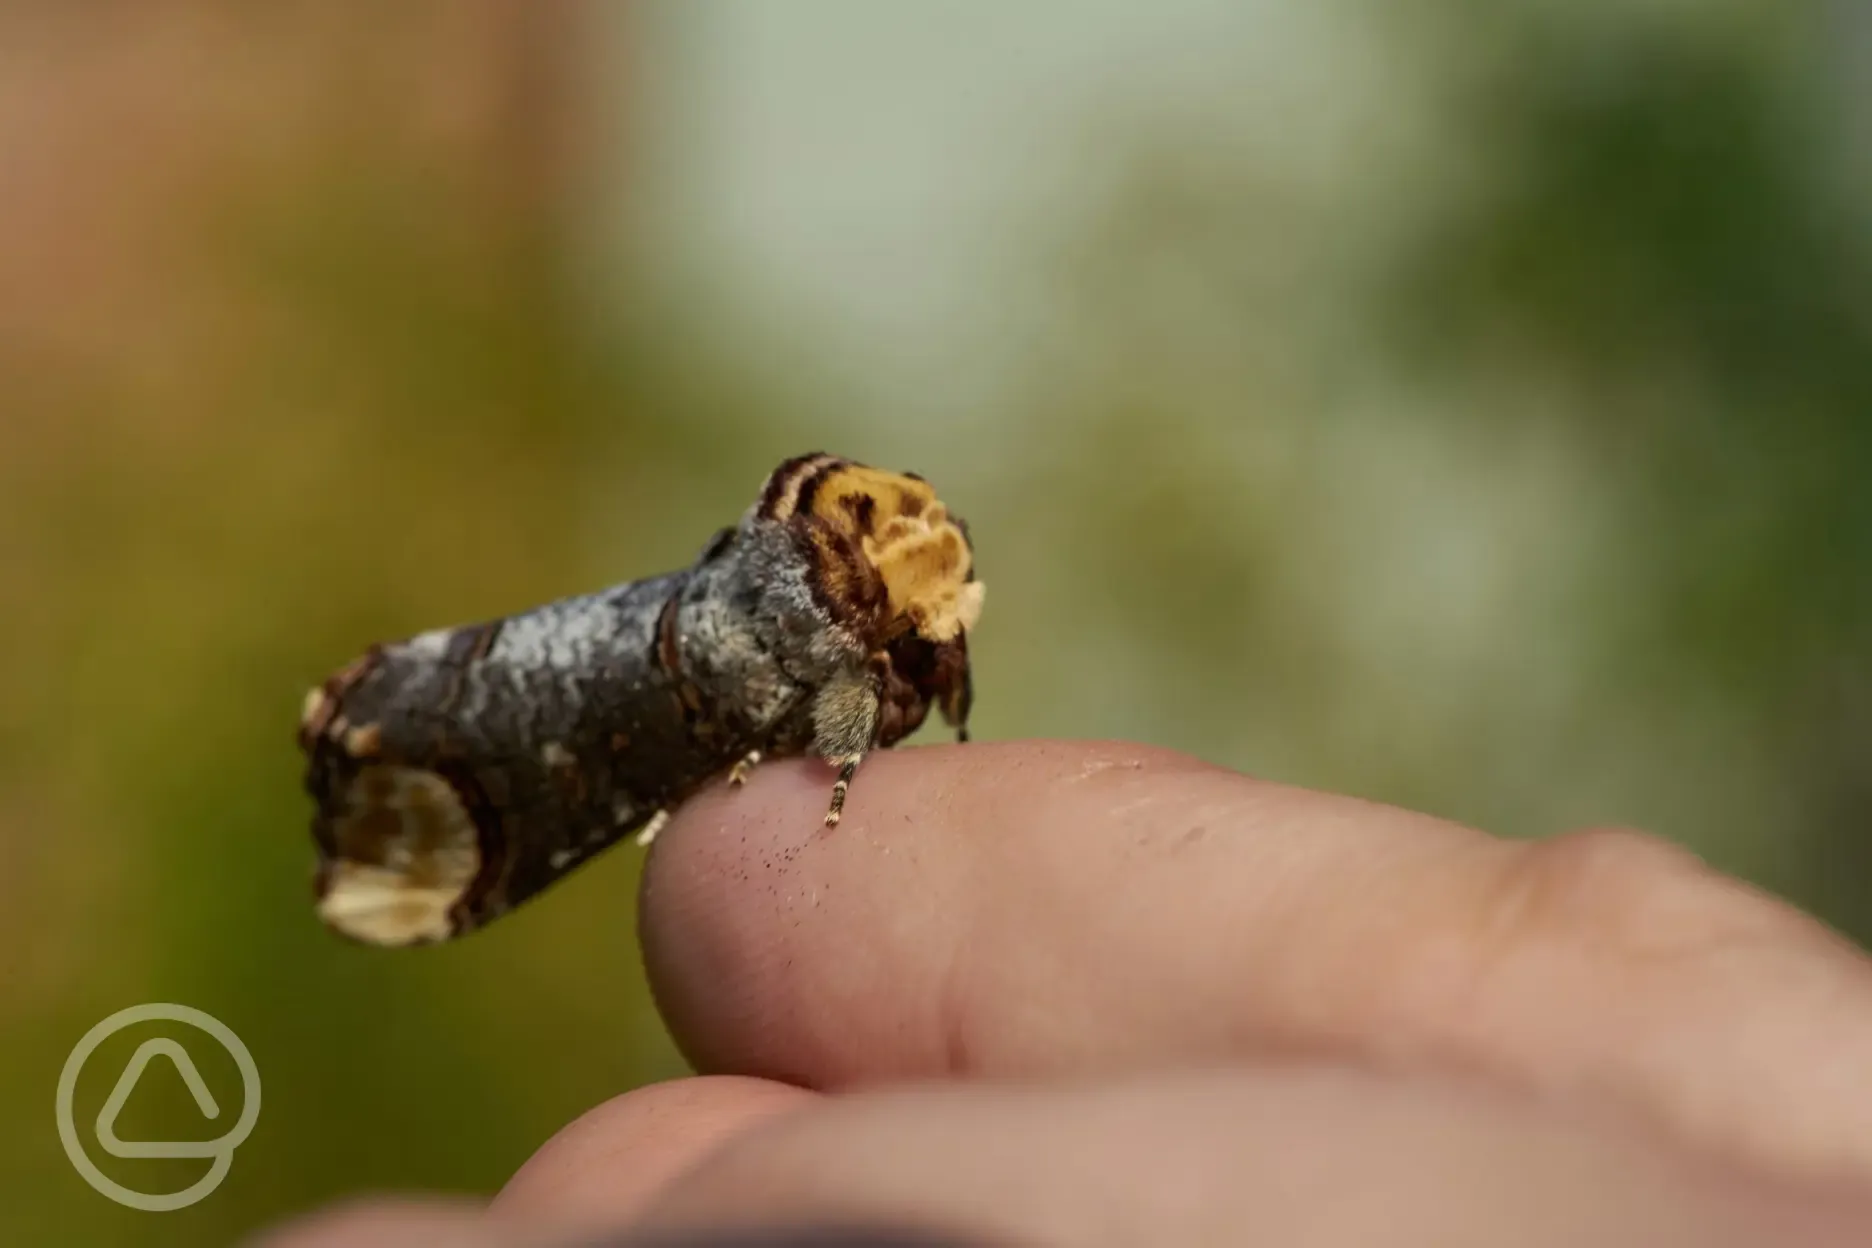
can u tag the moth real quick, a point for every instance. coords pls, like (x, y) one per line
(460, 772)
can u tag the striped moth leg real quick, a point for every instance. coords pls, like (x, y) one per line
(846, 715)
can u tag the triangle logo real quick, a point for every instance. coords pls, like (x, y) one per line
(126, 1084)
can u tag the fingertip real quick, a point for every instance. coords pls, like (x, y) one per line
(749, 902)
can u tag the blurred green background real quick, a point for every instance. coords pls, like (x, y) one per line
(1463, 405)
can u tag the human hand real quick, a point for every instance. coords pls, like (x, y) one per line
(1071, 993)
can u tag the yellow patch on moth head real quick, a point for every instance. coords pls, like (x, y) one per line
(406, 852)
(893, 493)
(920, 554)
(925, 564)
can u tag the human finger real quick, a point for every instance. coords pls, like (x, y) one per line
(1041, 907)
(607, 1164)
(1314, 1158)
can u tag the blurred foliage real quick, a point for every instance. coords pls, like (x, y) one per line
(1657, 225)
(405, 435)
(1508, 473)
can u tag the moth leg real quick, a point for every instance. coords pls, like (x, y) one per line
(649, 831)
(847, 770)
(738, 774)
(956, 686)
(957, 704)
(845, 725)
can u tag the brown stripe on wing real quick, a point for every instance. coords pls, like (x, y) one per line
(465, 647)
(814, 481)
(487, 894)
(843, 582)
(668, 653)
(780, 482)
(471, 643)
(780, 497)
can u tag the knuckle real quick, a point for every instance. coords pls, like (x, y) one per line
(1633, 892)
(1597, 865)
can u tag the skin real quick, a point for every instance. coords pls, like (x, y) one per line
(1094, 993)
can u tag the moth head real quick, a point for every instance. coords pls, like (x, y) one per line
(399, 853)
(920, 554)
(928, 572)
